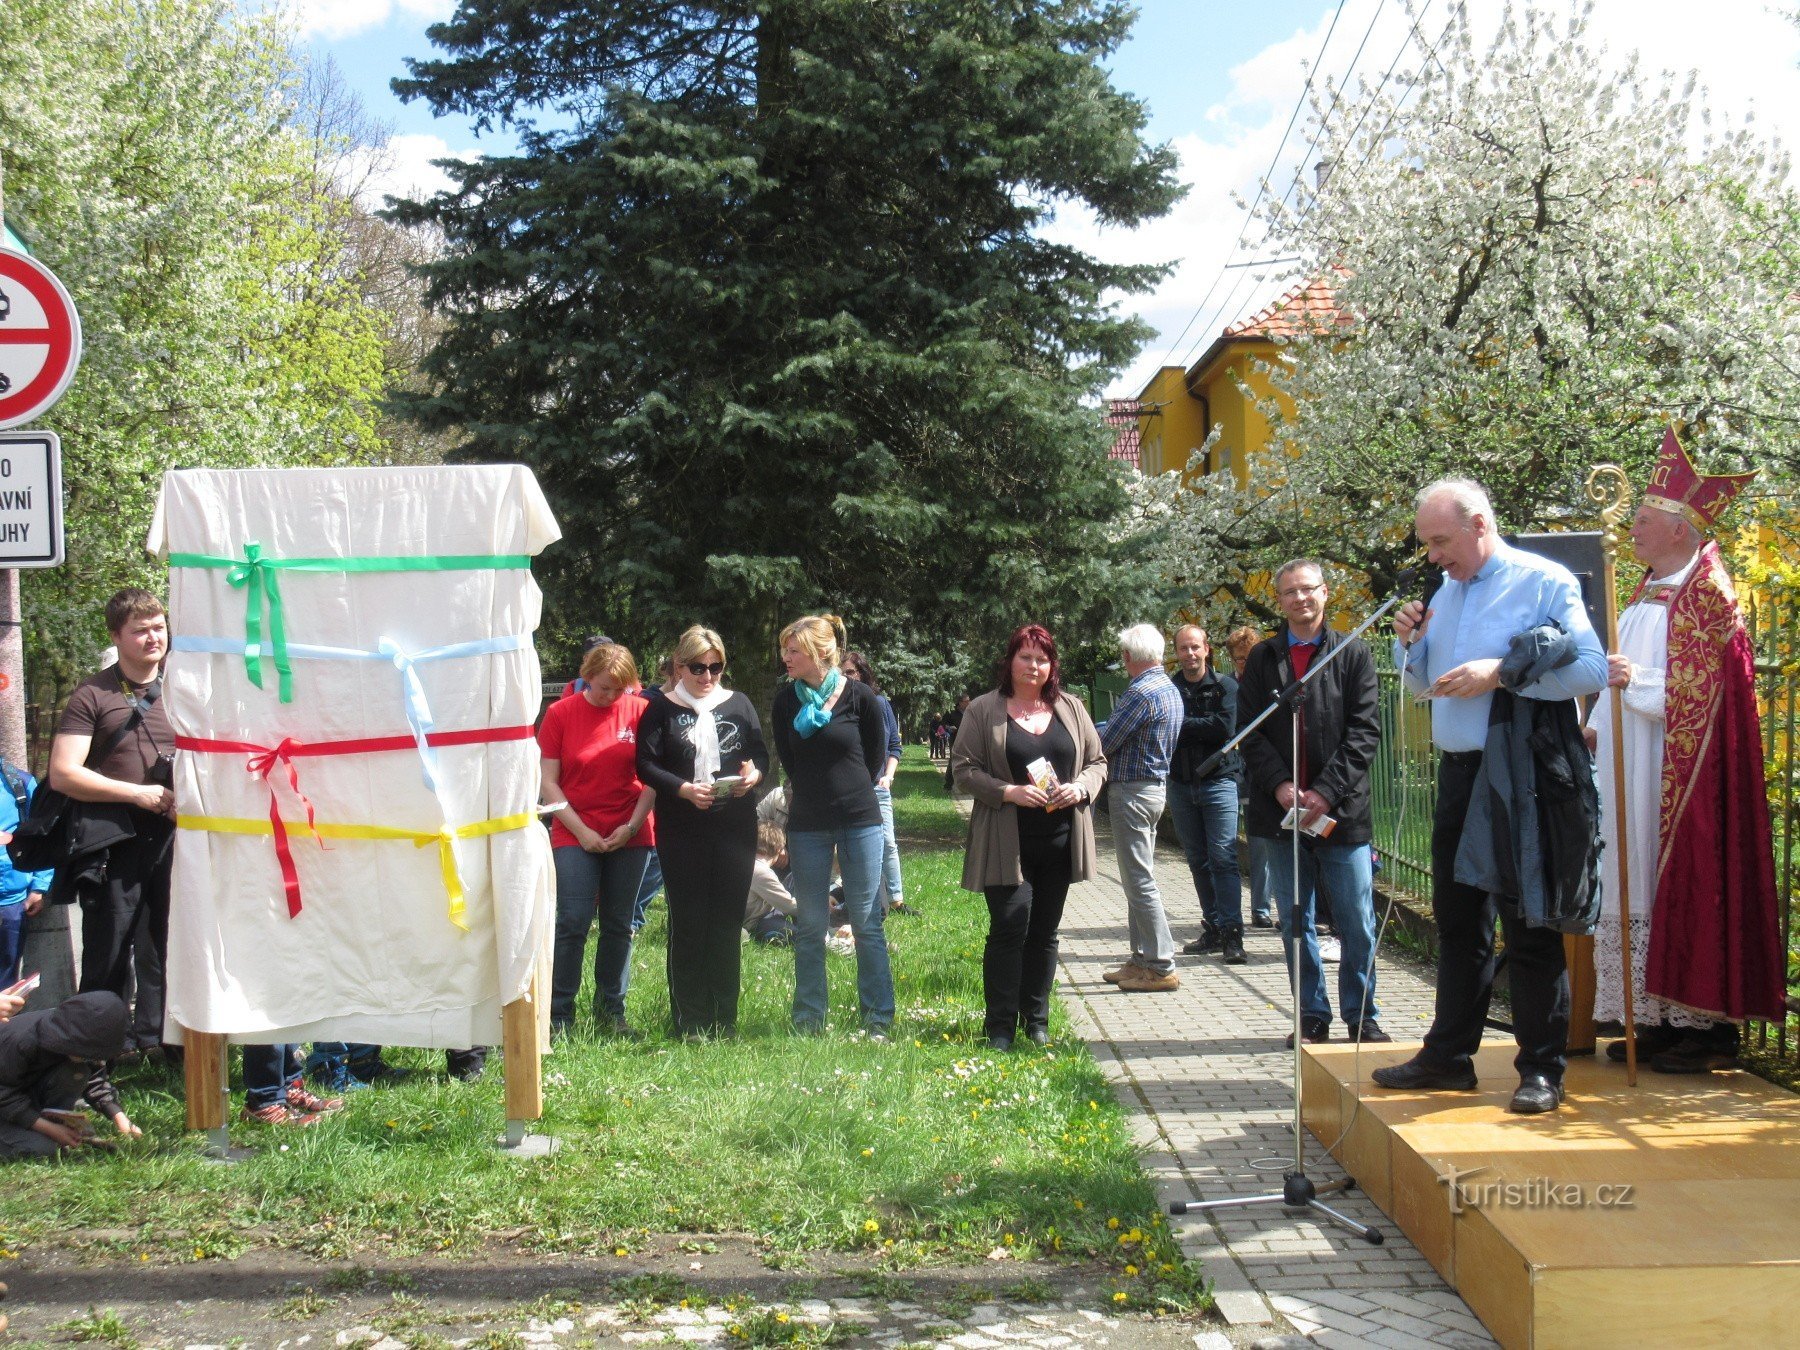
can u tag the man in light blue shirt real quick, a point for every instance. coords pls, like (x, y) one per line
(1452, 654)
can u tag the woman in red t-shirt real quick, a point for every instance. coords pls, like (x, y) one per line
(602, 838)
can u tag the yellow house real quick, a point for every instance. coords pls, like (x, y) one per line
(1178, 408)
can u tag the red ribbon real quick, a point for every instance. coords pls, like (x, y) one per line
(264, 758)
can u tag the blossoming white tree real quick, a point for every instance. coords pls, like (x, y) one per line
(1542, 257)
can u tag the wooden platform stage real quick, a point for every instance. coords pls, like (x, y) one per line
(1665, 1214)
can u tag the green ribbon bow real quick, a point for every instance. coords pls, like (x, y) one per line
(256, 574)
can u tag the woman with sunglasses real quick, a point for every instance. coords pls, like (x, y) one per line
(832, 740)
(701, 749)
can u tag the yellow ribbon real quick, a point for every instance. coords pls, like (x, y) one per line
(444, 838)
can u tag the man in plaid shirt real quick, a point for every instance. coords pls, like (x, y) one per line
(1139, 742)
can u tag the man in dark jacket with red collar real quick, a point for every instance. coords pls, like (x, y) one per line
(1340, 730)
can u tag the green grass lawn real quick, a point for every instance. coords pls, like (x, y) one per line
(928, 1148)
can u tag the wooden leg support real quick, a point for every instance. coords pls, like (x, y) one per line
(208, 1089)
(524, 1075)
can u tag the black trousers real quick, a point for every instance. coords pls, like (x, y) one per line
(706, 862)
(1465, 968)
(125, 926)
(1019, 963)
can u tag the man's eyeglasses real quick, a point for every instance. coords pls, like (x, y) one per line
(712, 668)
(1300, 592)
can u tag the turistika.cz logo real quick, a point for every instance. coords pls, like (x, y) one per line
(1530, 1192)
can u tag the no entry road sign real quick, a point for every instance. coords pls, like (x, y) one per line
(40, 339)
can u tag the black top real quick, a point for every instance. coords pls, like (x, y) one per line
(1022, 748)
(1208, 720)
(665, 755)
(832, 771)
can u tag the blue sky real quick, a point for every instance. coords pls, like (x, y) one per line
(1221, 80)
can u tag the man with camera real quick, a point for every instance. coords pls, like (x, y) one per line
(114, 746)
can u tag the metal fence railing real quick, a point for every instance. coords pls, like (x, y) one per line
(1404, 787)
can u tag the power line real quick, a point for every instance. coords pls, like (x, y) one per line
(1337, 93)
(1293, 117)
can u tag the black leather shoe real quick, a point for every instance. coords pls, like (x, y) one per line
(1696, 1053)
(1261, 921)
(999, 1042)
(1312, 1031)
(1536, 1095)
(1651, 1040)
(1420, 1077)
(1231, 947)
(1037, 1036)
(1370, 1033)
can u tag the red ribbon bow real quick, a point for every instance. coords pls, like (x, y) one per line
(264, 758)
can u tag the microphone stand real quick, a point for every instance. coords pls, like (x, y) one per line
(1298, 1191)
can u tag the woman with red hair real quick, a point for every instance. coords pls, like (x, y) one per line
(1028, 754)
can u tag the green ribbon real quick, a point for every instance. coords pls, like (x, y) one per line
(257, 575)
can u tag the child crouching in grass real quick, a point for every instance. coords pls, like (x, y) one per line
(769, 913)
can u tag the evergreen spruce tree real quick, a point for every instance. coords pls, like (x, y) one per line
(762, 299)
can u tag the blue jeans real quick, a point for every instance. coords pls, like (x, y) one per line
(890, 852)
(858, 851)
(12, 941)
(268, 1069)
(1342, 873)
(653, 882)
(1261, 907)
(1205, 818)
(585, 882)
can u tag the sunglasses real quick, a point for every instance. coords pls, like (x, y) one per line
(713, 668)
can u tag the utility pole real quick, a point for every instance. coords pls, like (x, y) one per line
(12, 634)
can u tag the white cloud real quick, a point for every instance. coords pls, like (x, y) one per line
(404, 168)
(1745, 51)
(343, 18)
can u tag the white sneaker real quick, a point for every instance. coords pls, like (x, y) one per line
(1331, 950)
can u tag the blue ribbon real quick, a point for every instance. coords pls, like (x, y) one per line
(418, 709)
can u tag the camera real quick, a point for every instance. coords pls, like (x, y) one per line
(162, 773)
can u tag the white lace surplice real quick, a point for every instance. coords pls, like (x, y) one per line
(1644, 638)
(372, 955)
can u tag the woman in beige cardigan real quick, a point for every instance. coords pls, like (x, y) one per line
(1029, 756)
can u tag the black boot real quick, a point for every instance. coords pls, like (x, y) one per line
(1207, 942)
(1231, 946)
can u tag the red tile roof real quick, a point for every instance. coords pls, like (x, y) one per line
(1122, 415)
(1309, 308)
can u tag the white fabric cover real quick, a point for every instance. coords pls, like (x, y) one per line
(372, 956)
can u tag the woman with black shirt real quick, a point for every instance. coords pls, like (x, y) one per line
(832, 741)
(1028, 755)
(698, 732)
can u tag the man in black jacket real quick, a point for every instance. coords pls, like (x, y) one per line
(1204, 809)
(1340, 730)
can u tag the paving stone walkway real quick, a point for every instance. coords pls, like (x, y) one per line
(1209, 1082)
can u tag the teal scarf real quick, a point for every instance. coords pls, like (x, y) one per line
(813, 713)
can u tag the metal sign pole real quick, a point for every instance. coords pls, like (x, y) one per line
(12, 641)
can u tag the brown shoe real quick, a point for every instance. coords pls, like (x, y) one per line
(1140, 981)
(302, 1102)
(1115, 975)
(277, 1113)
